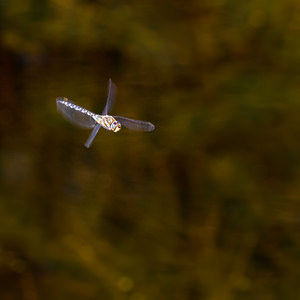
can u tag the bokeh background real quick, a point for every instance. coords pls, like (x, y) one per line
(205, 207)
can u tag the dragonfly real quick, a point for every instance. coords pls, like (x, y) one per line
(86, 119)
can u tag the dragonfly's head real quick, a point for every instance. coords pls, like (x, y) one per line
(115, 126)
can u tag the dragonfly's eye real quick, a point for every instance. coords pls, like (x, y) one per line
(115, 126)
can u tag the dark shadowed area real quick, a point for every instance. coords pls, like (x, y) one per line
(205, 207)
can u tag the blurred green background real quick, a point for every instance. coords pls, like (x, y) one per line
(205, 207)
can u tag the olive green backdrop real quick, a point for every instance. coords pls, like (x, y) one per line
(205, 207)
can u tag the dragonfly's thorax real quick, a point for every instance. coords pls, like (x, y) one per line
(108, 122)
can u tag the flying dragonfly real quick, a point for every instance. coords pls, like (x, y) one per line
(88, 120)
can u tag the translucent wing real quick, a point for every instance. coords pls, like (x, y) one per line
(110, 97)
(75, 114)
(92, 136)
(135, 124)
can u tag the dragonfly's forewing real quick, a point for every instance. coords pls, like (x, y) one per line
(135, 124)
(111, 94)
(92, 136)
(74, 113)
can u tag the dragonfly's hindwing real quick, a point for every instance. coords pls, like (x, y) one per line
(75, 114)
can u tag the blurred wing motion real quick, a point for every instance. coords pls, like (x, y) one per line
(135, 124)
(111, 94)
(75, 114)
(92, 136)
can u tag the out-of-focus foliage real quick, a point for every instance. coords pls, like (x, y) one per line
(205, 207)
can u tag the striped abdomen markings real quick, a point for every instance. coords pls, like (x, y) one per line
(76, 107)
(76, 114)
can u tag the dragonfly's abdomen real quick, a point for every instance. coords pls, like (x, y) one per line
(76, 107)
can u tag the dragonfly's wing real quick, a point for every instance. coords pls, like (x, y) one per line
(74, 113)
(135, 124)
(110, 97)
(92, 135)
